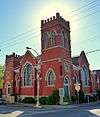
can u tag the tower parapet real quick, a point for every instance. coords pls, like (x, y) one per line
(53, 20)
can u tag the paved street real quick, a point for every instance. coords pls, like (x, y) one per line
(92, 110)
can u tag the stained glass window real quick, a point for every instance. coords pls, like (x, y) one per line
(50, 78)
(28, 75)
(84, 76)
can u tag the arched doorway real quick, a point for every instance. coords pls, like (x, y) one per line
(66, 87)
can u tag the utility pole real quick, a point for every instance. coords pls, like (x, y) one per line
(38, 75)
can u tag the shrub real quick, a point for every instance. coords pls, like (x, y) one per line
(66, 99)
(74, 99)
(54, 98)
(16, 98)
(43, 100)
(98, 93)
(29, 100)
(81, 97)
(51, 100)
(93, 98)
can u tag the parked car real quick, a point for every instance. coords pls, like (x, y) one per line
(2, 101)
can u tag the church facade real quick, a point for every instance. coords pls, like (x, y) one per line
(57, 68)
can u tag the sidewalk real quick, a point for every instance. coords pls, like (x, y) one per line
(45, 107)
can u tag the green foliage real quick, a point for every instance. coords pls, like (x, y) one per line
(43, 100)
(1, 76)
(1, 83)
(93, 98)
(98, 93)
(29, 100)
(51, 100)
(16, 97)
(81, 97)
(1, 72)
(66, 99)
(74, 99)
(54, 98)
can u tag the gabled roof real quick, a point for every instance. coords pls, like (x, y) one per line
(29, 53)
(83, 54)
(75, 60)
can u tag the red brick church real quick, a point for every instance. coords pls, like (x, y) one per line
(58, 69)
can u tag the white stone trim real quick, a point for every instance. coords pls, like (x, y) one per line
(49, 48)
(50, 69)
(22, 73)
(56, 59)
(23, 96)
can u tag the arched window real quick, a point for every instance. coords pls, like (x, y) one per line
(50, 78)
(63, 38)
(28, 75)
(53, 38)
(66, 87)
(45, 40)
(84, 76)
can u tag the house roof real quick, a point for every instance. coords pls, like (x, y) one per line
(97, 71)
(75, 60)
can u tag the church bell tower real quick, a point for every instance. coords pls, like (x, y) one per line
(56, 53)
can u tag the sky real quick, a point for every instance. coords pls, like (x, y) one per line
(20, 25)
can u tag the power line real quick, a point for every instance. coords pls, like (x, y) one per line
(89, 52)
(21, 34)
(87, 39)
(85, 27)
(13, 44)
(92, 51)
(84, 6)
(21, 38)
(91, 8)
(81, 17)
(86, 16)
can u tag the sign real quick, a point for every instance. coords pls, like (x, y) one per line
(77, 87)
(61, 92)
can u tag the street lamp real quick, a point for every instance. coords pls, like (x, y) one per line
(38, 75)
